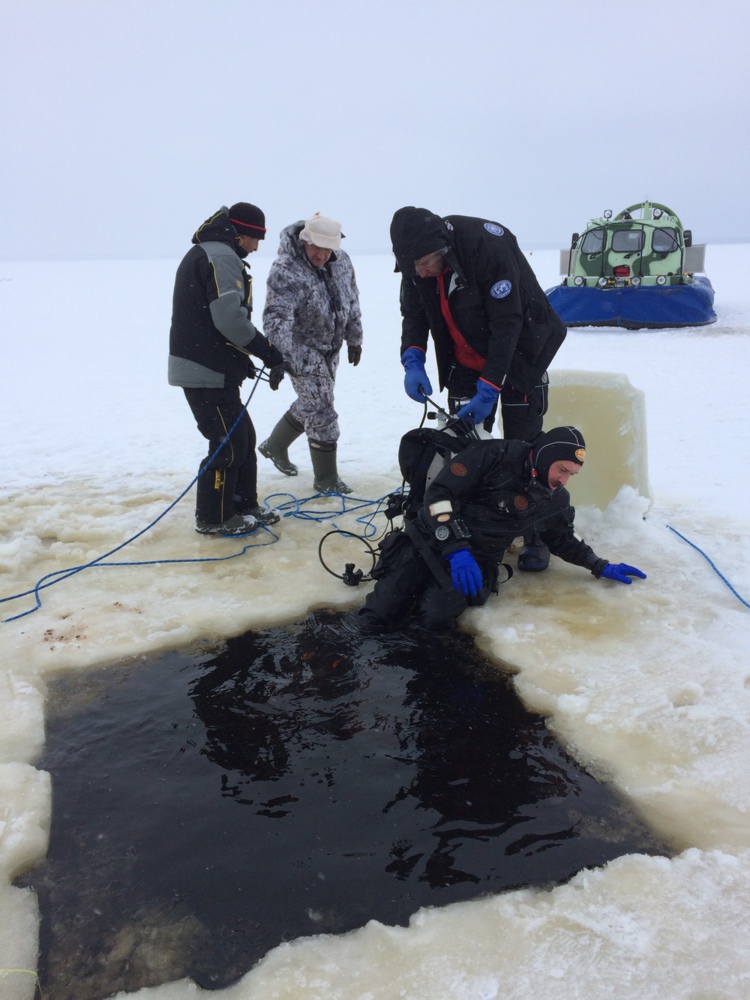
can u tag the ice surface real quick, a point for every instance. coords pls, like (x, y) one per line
(649, 684)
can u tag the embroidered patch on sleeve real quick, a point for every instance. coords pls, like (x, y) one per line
(501, 289)
(458, 469)
(492, 227)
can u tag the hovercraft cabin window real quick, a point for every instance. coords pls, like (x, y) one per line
(664, 240)
(593, 241)
(627, 241)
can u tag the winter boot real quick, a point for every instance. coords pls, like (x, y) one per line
(534, 556)
(325, 471)
(253, 512)
(234, 525)
(275, 446)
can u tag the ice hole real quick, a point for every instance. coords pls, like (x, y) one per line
(213, 802)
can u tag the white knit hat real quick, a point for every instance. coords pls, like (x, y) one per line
(322, 232)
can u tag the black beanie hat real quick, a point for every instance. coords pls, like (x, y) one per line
(561, 444)
(248, 220)
(415, 232)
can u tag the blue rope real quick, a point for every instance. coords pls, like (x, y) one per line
(349, 505)
(293, 509)
(63, 574)
(711, 564)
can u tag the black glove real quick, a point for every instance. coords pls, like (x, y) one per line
(252, 371)
(355, 353)
(264, 349)
(275, 376)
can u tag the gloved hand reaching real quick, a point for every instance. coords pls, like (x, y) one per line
(465, 573)
(252, 371)
(413, 361)
(264, 349)
(621, 572)
(275, 376)
(354, 353)
(480, 407)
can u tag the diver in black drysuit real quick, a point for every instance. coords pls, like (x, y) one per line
(447, 556)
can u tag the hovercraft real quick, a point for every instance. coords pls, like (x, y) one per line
(636, 270)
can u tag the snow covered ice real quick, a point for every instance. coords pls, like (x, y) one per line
(648, 685)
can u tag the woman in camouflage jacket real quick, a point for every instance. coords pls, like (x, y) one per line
(312, 307)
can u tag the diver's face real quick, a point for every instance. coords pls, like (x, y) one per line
(560, 472)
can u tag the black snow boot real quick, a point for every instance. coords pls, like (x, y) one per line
(534, 556)
(234, 525)
(325, 470)
(275, 446)
(255, 512)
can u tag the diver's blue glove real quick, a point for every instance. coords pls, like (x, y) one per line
(413, 361)
(621, 572)
(465, 573)
(480, 407)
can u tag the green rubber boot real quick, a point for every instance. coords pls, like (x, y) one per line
(275, 446)
(325, 472)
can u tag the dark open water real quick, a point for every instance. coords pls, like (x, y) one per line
(210, 804)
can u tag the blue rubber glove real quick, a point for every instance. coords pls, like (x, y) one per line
(465, 574)
(621, 572)
(480, 407)
(413, 362)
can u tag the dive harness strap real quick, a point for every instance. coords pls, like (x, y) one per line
(433, 563)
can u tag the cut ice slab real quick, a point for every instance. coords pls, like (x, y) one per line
(611, 415)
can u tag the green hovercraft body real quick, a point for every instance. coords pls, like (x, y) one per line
(636, 270)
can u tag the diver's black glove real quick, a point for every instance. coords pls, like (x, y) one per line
(355, 353)
(252, 371)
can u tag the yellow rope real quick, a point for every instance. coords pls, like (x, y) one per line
(29, 972)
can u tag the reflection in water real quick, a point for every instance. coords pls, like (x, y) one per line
(299, 780)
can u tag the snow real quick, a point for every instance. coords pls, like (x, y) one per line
(648, 685)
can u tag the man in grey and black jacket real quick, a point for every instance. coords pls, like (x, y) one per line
(211, 340)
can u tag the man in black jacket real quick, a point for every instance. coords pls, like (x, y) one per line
(447, 557)
(466, 281)
(211, 340)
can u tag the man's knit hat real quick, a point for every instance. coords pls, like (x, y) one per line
(416, 232)
(322, 232)
(561, 444)
(248, 220)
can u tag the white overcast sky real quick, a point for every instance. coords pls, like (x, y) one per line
(125, 123)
